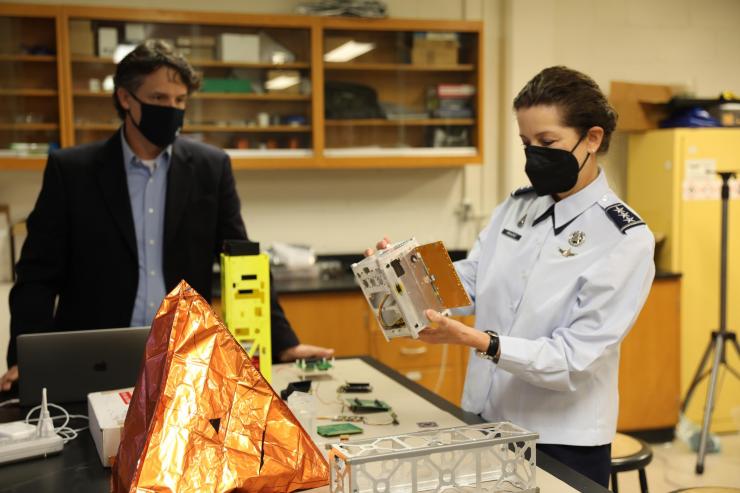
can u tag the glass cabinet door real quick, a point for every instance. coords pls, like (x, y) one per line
(29, 96)
(255, 98)
(400, 93)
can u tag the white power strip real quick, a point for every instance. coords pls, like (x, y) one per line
(12, 449)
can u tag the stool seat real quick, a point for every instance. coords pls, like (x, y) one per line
(707, 489)
(629, 454)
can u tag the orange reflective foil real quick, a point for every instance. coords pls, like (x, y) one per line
(203, 419)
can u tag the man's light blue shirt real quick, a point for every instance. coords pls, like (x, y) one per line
(147, 189)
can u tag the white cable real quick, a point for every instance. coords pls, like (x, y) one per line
(67, 433)
(9, 401)
(442, 369)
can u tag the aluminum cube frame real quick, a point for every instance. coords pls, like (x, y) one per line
(488, 457)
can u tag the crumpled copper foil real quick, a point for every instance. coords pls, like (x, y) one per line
(203, 419)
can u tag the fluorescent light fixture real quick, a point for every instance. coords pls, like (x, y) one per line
(121, 51)
(348, 51)
(282, 82)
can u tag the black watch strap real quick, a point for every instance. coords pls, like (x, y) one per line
(493, 352)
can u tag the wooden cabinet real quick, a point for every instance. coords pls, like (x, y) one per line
(281, 109)
(31, 99)
(342, 320)
(339, 320)
(649, 369)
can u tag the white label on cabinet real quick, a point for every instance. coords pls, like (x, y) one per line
(700, 181)
(699, 168)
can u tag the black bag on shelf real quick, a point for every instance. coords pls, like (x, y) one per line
(345, 100)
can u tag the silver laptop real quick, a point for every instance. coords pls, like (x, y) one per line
(72, 364)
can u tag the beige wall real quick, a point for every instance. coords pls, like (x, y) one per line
(686, 42)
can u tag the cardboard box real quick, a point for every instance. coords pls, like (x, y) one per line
(434, 52)
(243, 48)
(197, 53)
(81, 39)
(134, 33)
(107, 41)
(107, 413)
(640, 106)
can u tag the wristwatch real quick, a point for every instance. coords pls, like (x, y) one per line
(494, 348)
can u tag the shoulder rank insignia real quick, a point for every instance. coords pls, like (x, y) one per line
(622, 217)
(522, 191)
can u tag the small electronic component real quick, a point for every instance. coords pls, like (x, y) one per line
(300, 386)
(314, 365)
(338, 430)
(355, 388)
(367, 405)
(402, 281)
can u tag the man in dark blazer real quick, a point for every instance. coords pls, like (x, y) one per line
(118, 223)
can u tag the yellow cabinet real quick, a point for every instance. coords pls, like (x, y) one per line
(672, 187)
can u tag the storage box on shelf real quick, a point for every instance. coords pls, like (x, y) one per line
(264, 84)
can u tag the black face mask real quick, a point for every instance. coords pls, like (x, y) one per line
(159, 124)
(552, 170)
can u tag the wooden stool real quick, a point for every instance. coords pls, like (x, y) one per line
(628, 454)
(707, 489)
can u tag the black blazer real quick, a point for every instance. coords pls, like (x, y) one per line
(81, 243)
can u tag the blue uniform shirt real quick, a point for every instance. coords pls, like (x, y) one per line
(147, 189)
(562, 283)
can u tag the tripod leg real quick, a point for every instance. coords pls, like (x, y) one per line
(709, 407)
(697, 377)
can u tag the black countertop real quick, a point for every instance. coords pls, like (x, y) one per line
(343, 280)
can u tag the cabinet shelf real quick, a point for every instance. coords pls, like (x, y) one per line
(9, 57)
(226, 96)
(29, 126)
(29, 92)
(207, 128)
(204, 63)
(411, 122)
(11, 160)
(400, 67)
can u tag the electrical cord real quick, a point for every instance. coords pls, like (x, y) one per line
(66, 432)
(9, 402)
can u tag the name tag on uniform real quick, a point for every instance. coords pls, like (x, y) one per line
(511, 234)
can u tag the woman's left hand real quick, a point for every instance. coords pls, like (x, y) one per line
(445, 330)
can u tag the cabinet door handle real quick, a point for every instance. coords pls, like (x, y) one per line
(413, 351)
(414, 376)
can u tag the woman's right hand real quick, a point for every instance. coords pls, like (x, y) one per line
(382, 244)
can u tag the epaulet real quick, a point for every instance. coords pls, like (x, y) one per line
(522, 191)
(622, 217)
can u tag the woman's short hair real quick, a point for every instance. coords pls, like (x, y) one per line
(581, 103)
(145, 59)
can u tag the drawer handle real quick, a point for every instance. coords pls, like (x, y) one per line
(413, 351)
(414, 376)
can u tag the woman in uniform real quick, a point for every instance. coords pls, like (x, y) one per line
(557, 279)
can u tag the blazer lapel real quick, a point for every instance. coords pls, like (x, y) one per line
(179, 181)
(111, 177)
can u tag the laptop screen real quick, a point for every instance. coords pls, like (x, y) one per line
(72, 364)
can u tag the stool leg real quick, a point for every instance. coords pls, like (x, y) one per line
(615, 485)
(643, 481)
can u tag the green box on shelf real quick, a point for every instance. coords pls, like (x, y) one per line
(226, 85)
